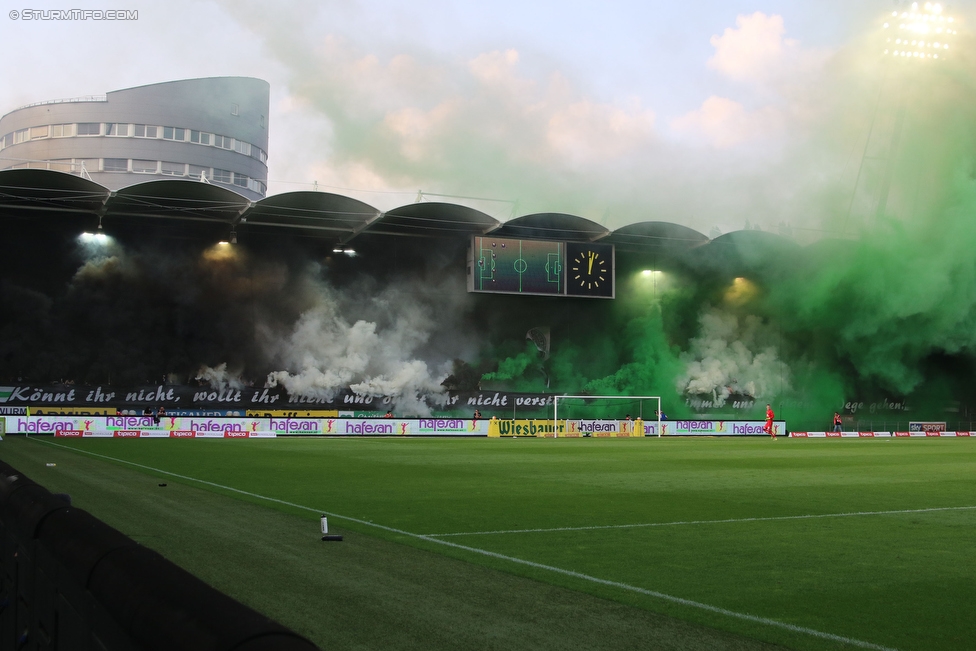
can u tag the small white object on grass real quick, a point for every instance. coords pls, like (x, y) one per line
(325, 525)
(50, 465)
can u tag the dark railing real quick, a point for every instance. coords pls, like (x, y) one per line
(70, 581)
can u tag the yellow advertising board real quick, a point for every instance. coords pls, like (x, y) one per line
(73, 411)
(292, 413)
(566, 428)
(524, 427)
(604, 428)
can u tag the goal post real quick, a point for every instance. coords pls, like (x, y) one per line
(641, 404)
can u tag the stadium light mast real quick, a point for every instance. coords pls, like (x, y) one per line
(914, 39)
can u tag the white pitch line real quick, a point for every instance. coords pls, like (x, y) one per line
(512, 559)
(597, 527)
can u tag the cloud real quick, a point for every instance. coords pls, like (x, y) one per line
(752, 50)
(392, 117)
(724, 123)
(586, 132)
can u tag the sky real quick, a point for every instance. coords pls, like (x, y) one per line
(713, 114)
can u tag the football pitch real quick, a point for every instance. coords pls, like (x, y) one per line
(541, 543)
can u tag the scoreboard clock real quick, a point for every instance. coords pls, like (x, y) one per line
(589, 270)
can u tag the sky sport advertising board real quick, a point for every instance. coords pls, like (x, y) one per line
(877, 435)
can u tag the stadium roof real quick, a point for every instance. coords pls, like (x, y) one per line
(552, 226)
(336, 218)
(655, 235)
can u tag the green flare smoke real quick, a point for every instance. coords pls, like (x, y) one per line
(877, 319)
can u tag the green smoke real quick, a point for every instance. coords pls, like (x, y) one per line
(881, 319)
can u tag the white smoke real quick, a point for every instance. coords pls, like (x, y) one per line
(219, 377)
(373, 343)
(733, 355)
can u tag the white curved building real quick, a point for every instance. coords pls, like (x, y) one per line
(213, 129)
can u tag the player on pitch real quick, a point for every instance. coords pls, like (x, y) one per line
(768, 427)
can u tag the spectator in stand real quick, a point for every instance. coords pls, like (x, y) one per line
(477, 415)
(389, 414)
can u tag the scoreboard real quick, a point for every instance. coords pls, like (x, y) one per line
(540, 267)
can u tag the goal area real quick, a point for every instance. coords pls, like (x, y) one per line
(644, 408)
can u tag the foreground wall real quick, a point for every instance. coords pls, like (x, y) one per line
(70, 581)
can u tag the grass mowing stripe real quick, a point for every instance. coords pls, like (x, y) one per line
(511, 559)
(684, 522)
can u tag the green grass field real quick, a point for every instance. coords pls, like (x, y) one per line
(555, 544)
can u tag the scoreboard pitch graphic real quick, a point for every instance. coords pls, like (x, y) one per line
(540, 267)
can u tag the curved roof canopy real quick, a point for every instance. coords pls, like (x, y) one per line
(741, 251)
(552, 226)
(341, 218)
(645, 236)
(434, 220)
(319, 213)
(177, 199)
(50, 191)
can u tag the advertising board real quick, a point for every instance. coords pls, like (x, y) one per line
(716, 428)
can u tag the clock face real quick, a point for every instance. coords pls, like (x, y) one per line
(590, 270)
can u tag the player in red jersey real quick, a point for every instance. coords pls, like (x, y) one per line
(768, 427)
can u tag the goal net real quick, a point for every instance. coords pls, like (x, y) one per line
(613, 408)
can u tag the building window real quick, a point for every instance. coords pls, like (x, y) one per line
(240, 180)
(174, 169)
(144, 166)
(60, 165)
(196, 171)
(167, 133)
(89, 128)
(21, 136)
(113, 129)
(204, 138)
(242, 147)
(39, 132)
(115, 165)
(256, 186)
(221, 176)
(194, 136)
(235, 109)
